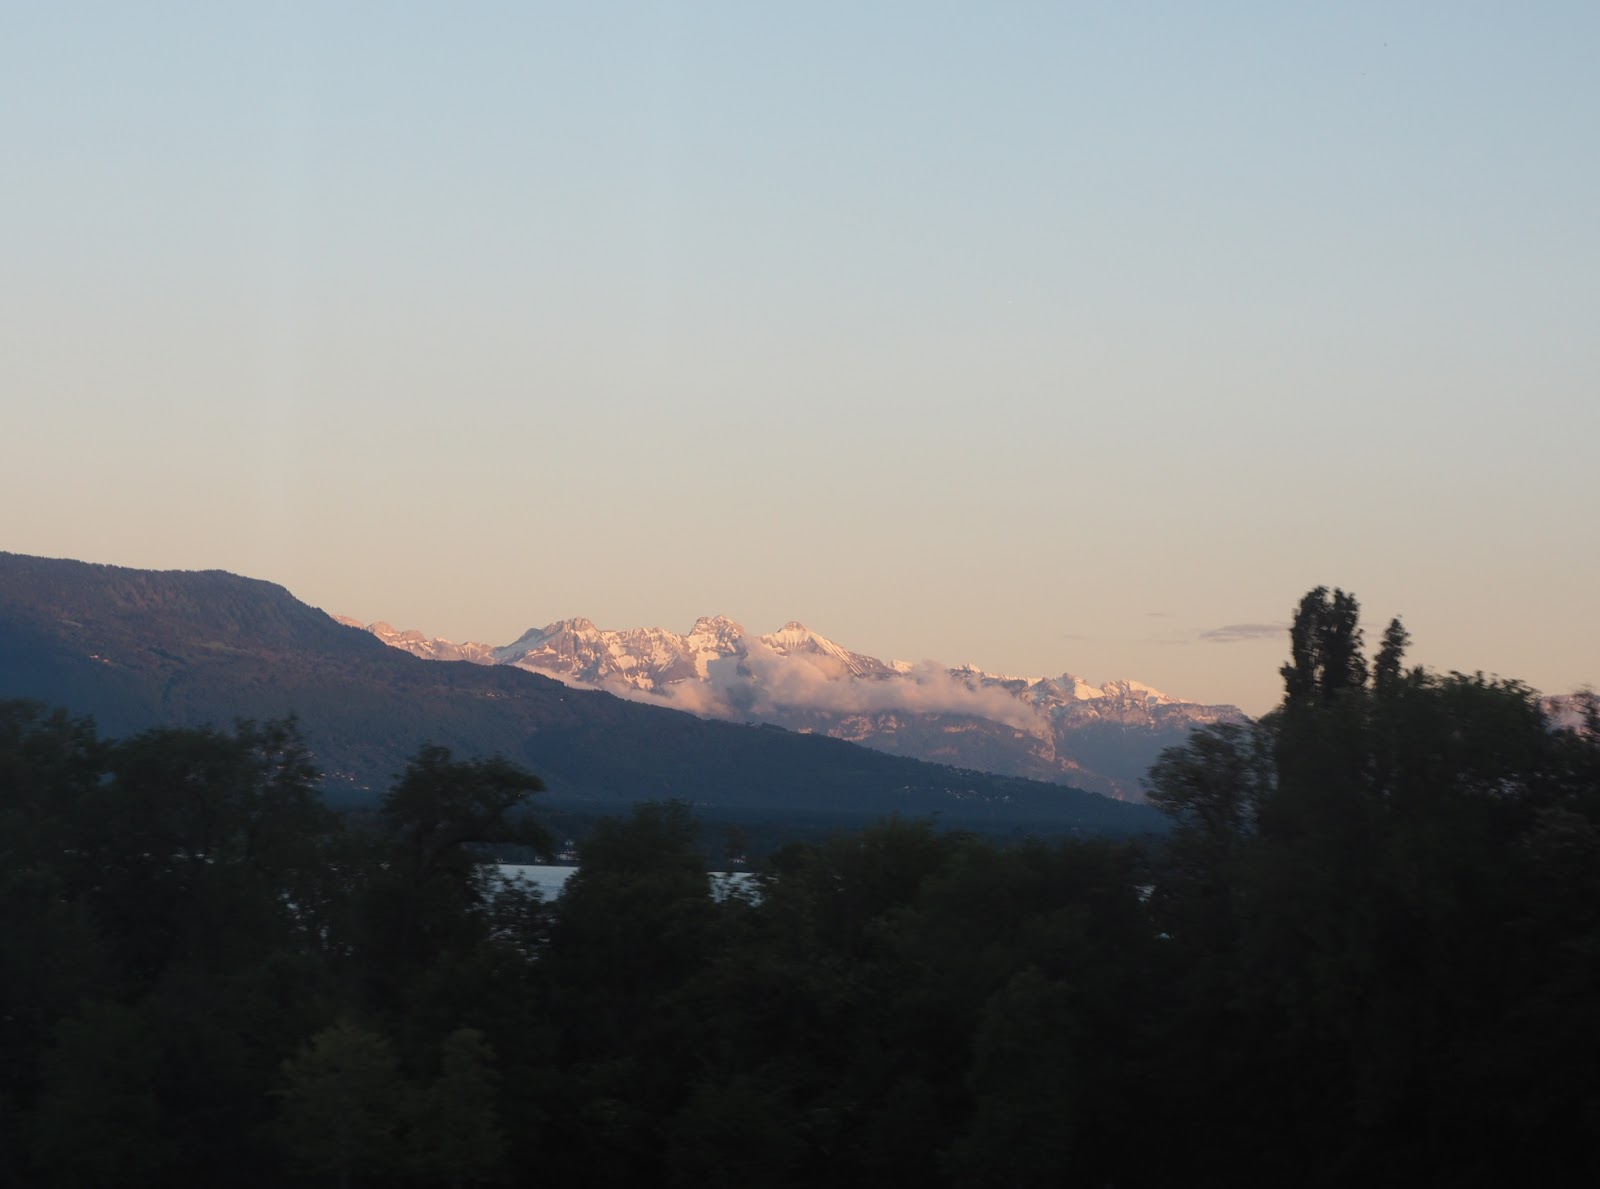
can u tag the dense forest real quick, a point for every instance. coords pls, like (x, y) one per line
(1368, 949)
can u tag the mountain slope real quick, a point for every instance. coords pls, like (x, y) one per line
(1102, 738)
(139, 648)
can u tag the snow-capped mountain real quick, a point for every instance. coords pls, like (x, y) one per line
(655, 659)
(640, 658)
(1098, 737)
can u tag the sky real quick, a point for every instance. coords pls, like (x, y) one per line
(1042, 337)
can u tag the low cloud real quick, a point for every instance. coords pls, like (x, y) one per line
(766, 683)
(767, 686)
(1238, 633)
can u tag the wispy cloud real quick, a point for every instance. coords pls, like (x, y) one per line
(1238, 633)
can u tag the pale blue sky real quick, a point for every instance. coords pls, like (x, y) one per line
(1041, 336)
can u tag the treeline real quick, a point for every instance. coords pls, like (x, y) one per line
(1368, 950)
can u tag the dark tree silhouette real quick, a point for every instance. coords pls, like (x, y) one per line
(1324, 648)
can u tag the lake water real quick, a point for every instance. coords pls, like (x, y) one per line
(550, 879)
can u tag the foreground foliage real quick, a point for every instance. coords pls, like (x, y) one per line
(1369, 950)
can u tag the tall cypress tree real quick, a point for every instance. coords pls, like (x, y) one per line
(1389, 664)
(1325, 648)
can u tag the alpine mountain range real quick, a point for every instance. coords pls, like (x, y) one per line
(1061, 729)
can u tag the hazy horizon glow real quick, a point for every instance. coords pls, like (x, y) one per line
(1041, 338)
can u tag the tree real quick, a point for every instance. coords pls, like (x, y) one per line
(1394, 947)
(1214, 785)
(455, 1137)
(633, 928)
(429, 889)
(343, 1103)
(1324, 647)
(49, 764)
(1388, 667)
(1025, 1085)
(631, 923)
(202, 845)
(1215, 788)
(441, 804)
(99, 1121)
(50, 955)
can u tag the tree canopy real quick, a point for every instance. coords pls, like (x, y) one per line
(1368, 950)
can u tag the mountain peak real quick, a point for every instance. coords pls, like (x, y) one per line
(576, 624)
(715, 624)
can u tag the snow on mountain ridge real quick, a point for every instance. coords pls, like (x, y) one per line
(800, 679)
(796, 640)
(654, 658)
